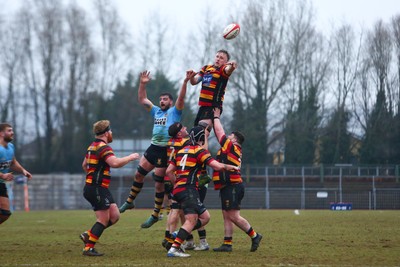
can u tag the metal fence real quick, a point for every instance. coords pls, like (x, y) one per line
(266, 188)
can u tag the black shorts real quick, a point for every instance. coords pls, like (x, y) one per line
(189, 200)
(156, 155)
(205, 113)
(3, 190)
(99, 197)
(231, 196)
(203, 193)
(175, 205)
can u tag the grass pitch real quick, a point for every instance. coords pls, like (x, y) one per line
(314, 237)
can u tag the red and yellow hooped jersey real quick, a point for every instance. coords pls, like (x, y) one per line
(189, 162)
(228, 154)
(97, 169)
(213, 86)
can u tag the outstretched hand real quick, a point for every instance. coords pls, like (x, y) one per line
(145, 76)
(232, 63)
(27, 174)
(134, 156)
(189, 75)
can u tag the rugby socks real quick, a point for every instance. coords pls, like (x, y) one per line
(169, 237)
(189, 237)
(202, 234)
(251, 233)
(94, 235)
(228, 241)
(158, 201)
(135, 190)
(180, 238)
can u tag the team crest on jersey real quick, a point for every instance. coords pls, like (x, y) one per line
(158, 161)
(207, 79)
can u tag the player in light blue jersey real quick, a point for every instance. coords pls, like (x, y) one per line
(8, 164)
(155, 156)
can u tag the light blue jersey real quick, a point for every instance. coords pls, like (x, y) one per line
(6, 158)
(162, 121)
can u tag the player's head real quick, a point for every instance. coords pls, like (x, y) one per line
(238, 136)
(197, 135)
(221, 58)
(103, 129)
(177, 130)
(166, 101)
(6, 132)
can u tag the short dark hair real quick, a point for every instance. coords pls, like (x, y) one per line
(239, 137)
(4, 125)
(174, 129)
(225, 52)
(167, 94)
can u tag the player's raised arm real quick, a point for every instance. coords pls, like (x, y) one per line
(180, 102)
(142, 94)
(218, 129)
(230, 67)
(195, 79)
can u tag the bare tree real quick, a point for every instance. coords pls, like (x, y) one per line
(79, 59)
(266, 63)
(396, 40)
(29, 73)
(205, 41)
(347, 62)
(310, 59)
(10, 55)
(115, 52)
(43, 33)
(380, 48)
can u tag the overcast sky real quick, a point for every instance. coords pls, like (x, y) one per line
(188, 12)
(359, 13)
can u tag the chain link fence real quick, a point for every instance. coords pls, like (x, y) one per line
(266, 188)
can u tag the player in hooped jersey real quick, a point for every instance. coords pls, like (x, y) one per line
(214, 79)
(183, 172)
(98, 160)
(155, 156)
(180, 139)
(231, 186)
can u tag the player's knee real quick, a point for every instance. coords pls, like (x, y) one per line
(4, 215)
(141, 172)
(114, 219)
(157, 178)
(175, 206)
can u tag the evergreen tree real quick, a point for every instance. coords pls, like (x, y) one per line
(300, 130)
(251, 123)
(376, 148)
(335, 140)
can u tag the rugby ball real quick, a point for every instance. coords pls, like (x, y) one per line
(231, 31)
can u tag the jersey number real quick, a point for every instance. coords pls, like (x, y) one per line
(183, 161)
